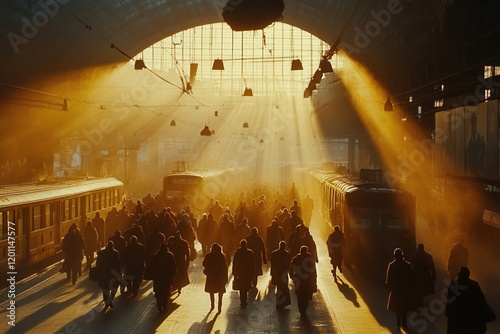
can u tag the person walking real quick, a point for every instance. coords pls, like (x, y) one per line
(466, 307)
(243, 271)
(91, 240)
(256, 244)
(274, 235)
(335, 243)
(401, 281)
(458, 258)
(280, 263)
(161, 269)
(108, 264)
(133, 262)
(425, 274)
(215, 268)
(303, 273)
(75, 255)
(180, 248)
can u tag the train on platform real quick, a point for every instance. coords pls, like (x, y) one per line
(199, 187)
(374, 217)
(35, 217)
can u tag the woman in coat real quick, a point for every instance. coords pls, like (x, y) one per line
(215, 267)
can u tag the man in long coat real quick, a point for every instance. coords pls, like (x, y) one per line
(280, 263)
(243, 271)
(303, 273)
(134, 260)
(109, 267)
(465, 306)
(162, 269)
(401, 281)
(425, 274)
(180, 248)
(256, 245)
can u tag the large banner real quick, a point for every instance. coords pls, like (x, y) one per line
(469, 141)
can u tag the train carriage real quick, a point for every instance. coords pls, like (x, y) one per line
(374, 217)
(200, 187)
(35, 217)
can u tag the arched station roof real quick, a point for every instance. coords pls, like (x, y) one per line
(388, 36)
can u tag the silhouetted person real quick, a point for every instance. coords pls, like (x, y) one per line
(155, 239)
(67, 241)
(186, 230)
(215, 267)
(98, 223)
(134, 260)
(75, 255)
(294, 243)
(201, 233)
(110, 225)
(216, 210)
(256, 245)
(109, 267)
(303, 273)
(296, 207)
(459, 257)
(91, 239)
(225, 235)
(465, 305)
(335, 243)
(308, 240)
(425, 274)
(280, 264)
(136, 230)
(289, 226)
(401, 281)
(180, 248)
(162, 269)
(241, 231)
(243, 271)
(307, 210)
(274, 235)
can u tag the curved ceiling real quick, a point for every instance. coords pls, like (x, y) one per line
(388, 36)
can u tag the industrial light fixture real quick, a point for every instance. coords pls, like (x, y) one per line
(248, 92)
(216, 113)
(206, 132)
(139, 64)
(325, 66)
(218, 65)
(297, 65)
(245, 125)
(388, 105)
(252, 14)
(172, 123)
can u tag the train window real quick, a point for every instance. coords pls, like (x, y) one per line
(364, 218)
(48, 214)
(37, 218)
(66, 210)
(73, 210)
(395, 218)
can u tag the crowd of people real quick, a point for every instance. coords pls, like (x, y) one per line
(148, 240)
